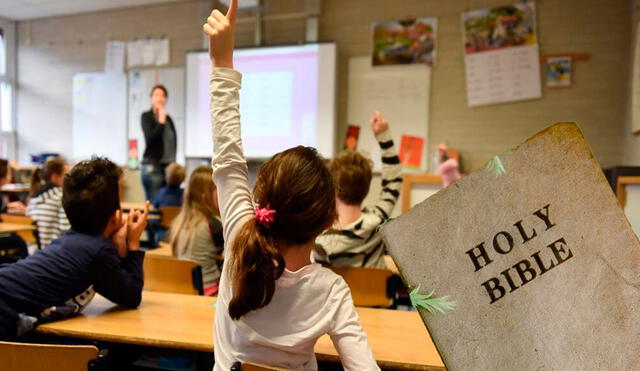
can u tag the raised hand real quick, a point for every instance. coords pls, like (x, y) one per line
(220, 29)
(378, 123)
(136, 223)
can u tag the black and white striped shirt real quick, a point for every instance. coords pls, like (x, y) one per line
(359, 244)
(46, 210)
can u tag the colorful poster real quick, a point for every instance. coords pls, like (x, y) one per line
(409, 41)
(501, 54)
(411, 151)
(558, 72)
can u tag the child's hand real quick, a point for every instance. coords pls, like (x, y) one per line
(136, 223)
(16, 206)
(378, 123)
(119, 238)
(220, 30)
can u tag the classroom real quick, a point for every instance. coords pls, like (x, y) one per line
(255, 185)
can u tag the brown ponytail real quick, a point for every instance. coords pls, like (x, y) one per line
(257, 267)
(53, 165)
(298, 186)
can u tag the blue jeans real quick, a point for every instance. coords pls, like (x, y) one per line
(152, 179)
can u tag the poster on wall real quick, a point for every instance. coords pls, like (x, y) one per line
(411, 148)
(558, 72)
(407, 41)
(501, 54)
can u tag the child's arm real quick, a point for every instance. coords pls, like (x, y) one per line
(348, 336)
(119, 278)
(230, 171)
(391, 168)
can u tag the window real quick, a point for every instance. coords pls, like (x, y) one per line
(7, 75)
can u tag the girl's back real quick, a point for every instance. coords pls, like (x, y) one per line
(273, 303)
(307, 304)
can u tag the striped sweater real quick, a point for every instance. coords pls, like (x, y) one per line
(46, 210)
(358, 244)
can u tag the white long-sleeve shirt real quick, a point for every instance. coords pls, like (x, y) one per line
(307, 303)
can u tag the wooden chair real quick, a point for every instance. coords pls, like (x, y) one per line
(167, 214)
(21, 356)
(28, 236)
(250, 366)
(370, 287)
(163, 249)
(168, 274)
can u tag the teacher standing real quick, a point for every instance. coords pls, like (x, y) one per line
(161, 140)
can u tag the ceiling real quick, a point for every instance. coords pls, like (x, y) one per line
(29, 9)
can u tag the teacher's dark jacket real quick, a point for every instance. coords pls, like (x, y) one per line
(153, 131)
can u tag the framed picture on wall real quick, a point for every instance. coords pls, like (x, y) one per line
(558, 72)
(408, 41)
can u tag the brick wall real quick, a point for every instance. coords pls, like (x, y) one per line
(51, 50)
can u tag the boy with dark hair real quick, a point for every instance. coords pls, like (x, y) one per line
(100, 252)
(353, 240)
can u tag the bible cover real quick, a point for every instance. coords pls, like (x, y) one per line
(538, 256)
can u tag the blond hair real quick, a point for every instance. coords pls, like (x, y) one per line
(199, 204)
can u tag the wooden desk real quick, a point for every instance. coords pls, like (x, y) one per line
(16, 188)
(135, 205)
(13, 227)
(398, 339)
(149, 217)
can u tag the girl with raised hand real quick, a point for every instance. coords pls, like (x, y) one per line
(273, 303)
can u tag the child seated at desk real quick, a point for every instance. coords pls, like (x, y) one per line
(100, 252)
(273, 304)
(353, 240)
(45, 206)
(6, 202)
(171, 194)
(196, 233)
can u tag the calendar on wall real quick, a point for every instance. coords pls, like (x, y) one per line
(502, 62)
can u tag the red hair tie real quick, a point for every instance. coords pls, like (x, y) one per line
(264, 216)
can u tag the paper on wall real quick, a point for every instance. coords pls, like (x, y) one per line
(114, 60)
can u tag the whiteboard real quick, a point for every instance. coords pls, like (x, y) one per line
(140, 83)
(100, 116)
(400, 93)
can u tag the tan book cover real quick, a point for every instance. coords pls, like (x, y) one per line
(538, 256)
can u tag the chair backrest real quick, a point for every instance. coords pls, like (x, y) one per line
(27, 236)
(168, 274)
(250, 366)
(167, 214)
(20, 357)
(369, 286)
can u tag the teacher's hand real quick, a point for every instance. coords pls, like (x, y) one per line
(160, 113)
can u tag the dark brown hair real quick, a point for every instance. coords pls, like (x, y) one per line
(90, 194)
(352, 174)
(53, 165)
(298, 186)
(4, 168)
(174, 174)
(161, 87)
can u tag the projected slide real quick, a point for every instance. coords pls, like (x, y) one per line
(287, 99)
